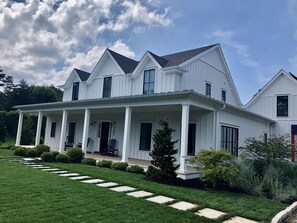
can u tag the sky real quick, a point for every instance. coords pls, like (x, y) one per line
(41, 41)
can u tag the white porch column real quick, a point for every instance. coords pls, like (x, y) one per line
(19, 132)
(86, 130)
(126, 134)
(38, 129)
(63, 131)
(184, 137)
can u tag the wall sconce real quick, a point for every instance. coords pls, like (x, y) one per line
(93, 123)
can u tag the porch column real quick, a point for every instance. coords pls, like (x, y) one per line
(38, 130)
(126, 134)
(86, 130)
(184, 137)
(19, 132)
(63, 131)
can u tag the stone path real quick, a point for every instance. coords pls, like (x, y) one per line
(131, 191)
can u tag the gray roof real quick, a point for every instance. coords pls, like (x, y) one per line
(126, 64)
(83, 75)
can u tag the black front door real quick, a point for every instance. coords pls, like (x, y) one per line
(71, 132)
(191, 139)
(104, 136)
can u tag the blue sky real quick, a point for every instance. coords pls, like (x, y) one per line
(42, 41)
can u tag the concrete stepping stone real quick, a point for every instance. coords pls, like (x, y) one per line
(108, 184)
(183, 206)
(68, 174)
(28, 159)
(140, 194)
(36, 165)
(122, 189)
(38, 158)
(92, 181)
(238, 219)
(79, 178)
(60, 171)
(41, 167)
(160, 199)
(51, 169)
(210, 213)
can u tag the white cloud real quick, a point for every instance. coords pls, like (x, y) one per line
(42, 41)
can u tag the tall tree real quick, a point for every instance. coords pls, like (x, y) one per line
(6, 81)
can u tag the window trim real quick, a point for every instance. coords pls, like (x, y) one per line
(226, 141)
(281, 113)
(103, 88)
(149, 82)
(53, 130)
(207, 93)
(140, 138)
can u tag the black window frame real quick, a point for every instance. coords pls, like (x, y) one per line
(107, 83)
(282, 106)
(229, 139)
(149, 82)
(145, 137)
(208, 89)
(75, 91)
(53, 129)
(224, 95)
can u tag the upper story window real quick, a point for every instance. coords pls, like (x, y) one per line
(282, 105)
(149, 81)
(223, 95)
(208, 89)
(75, 90)
(107, 87)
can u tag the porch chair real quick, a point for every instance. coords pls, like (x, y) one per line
(69, 142)
(111, 150)
(79, 145)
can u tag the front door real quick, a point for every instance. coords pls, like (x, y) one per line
(71, 132)
(104, 136)
(191, 139)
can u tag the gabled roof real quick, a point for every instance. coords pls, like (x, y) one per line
(126, 64)
(83, 75)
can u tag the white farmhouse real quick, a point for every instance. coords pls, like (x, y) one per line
(122, 100)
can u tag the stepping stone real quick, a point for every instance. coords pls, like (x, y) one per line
(238, 219)
(79, 178)
(49, 170)
(183, 206)
(140, 194)
(68, 174)
(160, 199)
(210, 213)
(60, 171)
(28, 159)
(92, 181)
(41, 167)
(122, 189)
(108, 184)
(38, 158)
(37, 165)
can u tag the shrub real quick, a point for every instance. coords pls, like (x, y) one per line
(216, 166)
(75, 155)
(105, 163)
(55, 154)
(122, 166)
(135, 169)
(20, 151)
(62, 158)
(41, 148)
(155, 173)
(11, 147)
(89, 161)
(32, 152)
(47, 157)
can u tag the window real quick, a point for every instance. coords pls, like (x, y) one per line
(191, 139)
(149, 81)
(223, 96)
(265, 138)
(229, 139)
(53, 129)
(282, 106)
(207, 89)
(75, 89)
(106, 87)
(145, 136)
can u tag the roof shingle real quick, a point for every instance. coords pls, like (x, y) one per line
(83, 75)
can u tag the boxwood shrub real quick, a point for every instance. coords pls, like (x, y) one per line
(41, 148)
(104, 163)
(75, 155)
(135, 169)
(55, 154)
(89, 161)
(47, 157)
(62, 158)
(20, 151)
(122, 166)
(32, 152)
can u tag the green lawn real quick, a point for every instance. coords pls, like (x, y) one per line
(31, 195)
(8, 141)
(6, 153)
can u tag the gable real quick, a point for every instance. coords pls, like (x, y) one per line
(214, 58)
(73, 77)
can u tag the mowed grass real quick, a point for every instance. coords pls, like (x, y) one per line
(233, 203)
(6, 153)
(8, 141)
(31, 195)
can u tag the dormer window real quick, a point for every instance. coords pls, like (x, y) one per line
(223, 96)
(207, 89)
(282, 106)
(149, 81)
(75, 90)
(107, 87)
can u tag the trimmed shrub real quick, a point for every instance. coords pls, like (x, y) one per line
(62, 158)
(20, 151)
(155, 173)
(47, 157)
(55, 154)
(135, 169)
(119, 166)
(11, 147)
(89, 161)
(104, 163)
(32, 152)
(41, 148)
(75, 155)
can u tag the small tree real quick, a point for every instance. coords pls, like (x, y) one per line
(163, 153)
